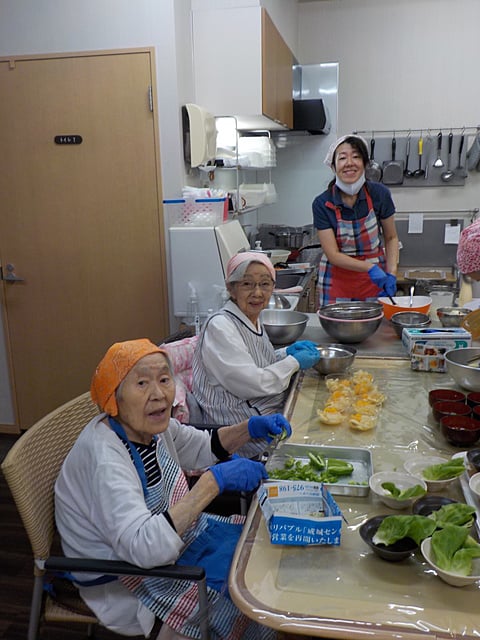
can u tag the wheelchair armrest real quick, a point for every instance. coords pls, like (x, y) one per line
(118, 567)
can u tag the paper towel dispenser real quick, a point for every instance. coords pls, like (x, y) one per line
(199, 135)
(311, 115)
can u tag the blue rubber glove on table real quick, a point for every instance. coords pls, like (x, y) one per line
(305, 352)
(268, 426)
(239, 474)
(385, 281)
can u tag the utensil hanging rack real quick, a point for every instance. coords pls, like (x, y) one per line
(467, 130)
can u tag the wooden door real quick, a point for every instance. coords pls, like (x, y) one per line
(80, 223)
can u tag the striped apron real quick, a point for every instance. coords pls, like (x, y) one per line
(176, 602)
(359, 239)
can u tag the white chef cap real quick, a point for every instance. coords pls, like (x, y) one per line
(331, 151)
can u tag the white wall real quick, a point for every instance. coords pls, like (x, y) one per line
(52, 26)
(403, 64)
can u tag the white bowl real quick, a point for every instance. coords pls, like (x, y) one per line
(415, 467)
(279, 255)
(400, 480)
(453, 579)
(474, 484)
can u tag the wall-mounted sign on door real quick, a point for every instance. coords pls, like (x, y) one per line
(68, 139)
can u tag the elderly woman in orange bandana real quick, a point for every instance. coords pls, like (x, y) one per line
(236, 371)
(122, 494)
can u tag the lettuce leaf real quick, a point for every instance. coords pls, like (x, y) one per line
(445, 470)
(394, 528)
(457, 513)
(453, 549)
(399, 494)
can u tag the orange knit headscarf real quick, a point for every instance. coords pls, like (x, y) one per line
(120, 358)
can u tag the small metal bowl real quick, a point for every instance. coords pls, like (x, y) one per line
(409, 319)
(334, 358)
(452, 316)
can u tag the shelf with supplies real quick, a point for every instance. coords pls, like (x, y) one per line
(420, 157)
(239, 156)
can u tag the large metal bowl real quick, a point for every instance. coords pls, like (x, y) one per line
(349, 331)
(356, 310)
(457, 364)
(282, 326)
(334, 358)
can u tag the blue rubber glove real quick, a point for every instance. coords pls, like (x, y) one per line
(377, 276)
(390, 286)
(300, 344)
(268, 426)
(239, 474)
(306, 358)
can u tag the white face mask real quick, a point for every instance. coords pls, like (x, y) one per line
(352, 188)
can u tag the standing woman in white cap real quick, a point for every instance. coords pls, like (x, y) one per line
(236, 370)
(356, 228)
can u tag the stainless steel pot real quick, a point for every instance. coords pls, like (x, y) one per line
(288, 239)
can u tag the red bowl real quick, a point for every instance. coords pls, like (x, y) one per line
(461, 431)
(444, 395)
(446, 408)
(476, 412)
(473, 398)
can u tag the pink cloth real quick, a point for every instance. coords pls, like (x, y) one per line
(468, 252)
(250, 256)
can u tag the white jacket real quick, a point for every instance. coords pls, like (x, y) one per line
(101, 513)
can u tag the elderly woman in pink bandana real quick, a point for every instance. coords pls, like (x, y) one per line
(236, 371)
(468, 252)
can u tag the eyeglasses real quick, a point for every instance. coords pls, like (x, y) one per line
(250, 285)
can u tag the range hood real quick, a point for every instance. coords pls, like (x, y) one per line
(311, 115)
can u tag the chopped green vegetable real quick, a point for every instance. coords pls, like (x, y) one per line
(319, 469)
(456, 513)
(453, 549)
(445, 470)
(399, 494)
(394, 528)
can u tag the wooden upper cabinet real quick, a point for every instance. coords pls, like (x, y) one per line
(242, 67)
(277, 79)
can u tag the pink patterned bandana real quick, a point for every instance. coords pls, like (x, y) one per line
(468, 252)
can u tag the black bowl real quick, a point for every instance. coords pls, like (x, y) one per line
(392, 553)
(426, 505)
(473, 457)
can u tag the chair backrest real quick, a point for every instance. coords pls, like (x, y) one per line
(33, 463)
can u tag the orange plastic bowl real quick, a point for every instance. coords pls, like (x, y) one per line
(420, 303)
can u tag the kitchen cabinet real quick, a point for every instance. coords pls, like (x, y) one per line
(243, 67)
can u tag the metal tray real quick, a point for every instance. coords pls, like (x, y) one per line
(361, 459)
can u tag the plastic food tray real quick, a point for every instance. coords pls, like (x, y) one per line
(361, 459)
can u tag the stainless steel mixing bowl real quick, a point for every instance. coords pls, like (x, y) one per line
(334, 358)
(452, 316)
(463, 369)
(352, 310)
(349, 331)
(283, 326)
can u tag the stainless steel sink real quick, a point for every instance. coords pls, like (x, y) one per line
(287, 278)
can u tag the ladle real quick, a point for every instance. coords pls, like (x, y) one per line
(407, 173)
(439, 162)
(419, 173)
(412, 289)
(447, 175)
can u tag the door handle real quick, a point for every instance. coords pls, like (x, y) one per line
(10, 275)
